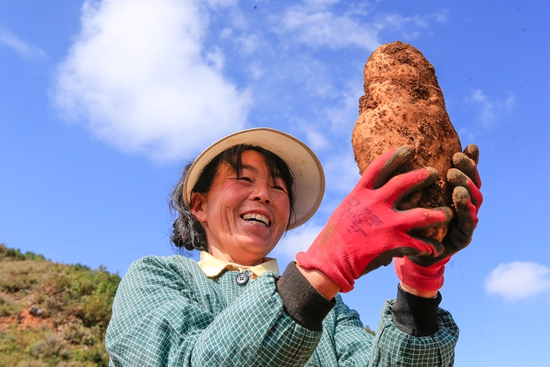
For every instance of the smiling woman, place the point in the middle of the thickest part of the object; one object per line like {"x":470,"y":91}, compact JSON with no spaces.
{"x":303,"y":174}
{"x":245,"y":207}
{"x":244,"y":214}
{"x":232,"y":308}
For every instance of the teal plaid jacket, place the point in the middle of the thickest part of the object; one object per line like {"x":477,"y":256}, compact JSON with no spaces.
{"x":168,"y":313}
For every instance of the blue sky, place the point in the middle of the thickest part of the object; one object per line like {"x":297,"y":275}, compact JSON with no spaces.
{"x":103,"y":102}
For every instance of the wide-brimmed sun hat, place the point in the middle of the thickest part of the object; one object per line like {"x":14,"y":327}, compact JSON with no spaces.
{"x":309,"y":178}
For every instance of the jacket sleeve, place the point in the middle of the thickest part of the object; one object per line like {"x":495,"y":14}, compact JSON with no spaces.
{"x":392,"y":346}
{"x":157,"y":321}
{"x":413,"y":331}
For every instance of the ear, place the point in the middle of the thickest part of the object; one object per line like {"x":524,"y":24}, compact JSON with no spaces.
{"x":198,"y":206}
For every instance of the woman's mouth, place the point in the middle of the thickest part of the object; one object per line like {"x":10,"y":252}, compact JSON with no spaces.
{"x":256,"y":218}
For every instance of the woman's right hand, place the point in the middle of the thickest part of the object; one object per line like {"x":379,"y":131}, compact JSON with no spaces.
{"x":366,"y":230}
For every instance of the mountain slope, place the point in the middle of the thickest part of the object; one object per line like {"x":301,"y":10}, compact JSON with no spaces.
{"x":52,"y":314}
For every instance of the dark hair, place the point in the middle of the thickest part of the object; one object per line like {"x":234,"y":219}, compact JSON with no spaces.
{"x":187,"y":232}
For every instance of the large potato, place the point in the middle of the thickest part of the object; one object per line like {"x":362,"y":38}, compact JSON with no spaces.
{"x":403,"y":105}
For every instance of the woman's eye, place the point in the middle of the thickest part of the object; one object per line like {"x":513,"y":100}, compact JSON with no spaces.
{"x":247,"y":179}
{"x":279,"y":188}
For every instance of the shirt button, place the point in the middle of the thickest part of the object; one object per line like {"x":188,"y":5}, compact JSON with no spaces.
{"x":242,"y":278}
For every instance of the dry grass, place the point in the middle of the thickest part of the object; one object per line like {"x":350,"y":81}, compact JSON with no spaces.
{"x":52,"y":314}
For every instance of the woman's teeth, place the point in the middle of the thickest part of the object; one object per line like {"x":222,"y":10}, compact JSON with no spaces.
{"x":258,"y":218}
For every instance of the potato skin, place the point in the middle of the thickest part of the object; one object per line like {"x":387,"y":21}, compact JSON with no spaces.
{"x":404,"y":105}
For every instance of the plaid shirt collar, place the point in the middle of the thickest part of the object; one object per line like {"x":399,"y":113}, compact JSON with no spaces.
{"x":213,"y":267}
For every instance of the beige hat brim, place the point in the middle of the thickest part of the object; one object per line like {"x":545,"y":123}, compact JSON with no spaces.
{"x":309,"y":178}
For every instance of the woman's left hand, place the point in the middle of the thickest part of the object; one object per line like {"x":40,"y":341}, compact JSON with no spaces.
{"x":425,"y":273}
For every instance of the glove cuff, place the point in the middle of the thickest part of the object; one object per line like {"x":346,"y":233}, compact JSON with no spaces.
{"x":415,"y":315}
{"x":424,"y":278}
{"x":301,"y":301}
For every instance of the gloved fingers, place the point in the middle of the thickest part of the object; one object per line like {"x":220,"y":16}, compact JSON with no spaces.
{"x":381,"y":169}
{"x":410,"y":261}
{"x":401,"y":185}
{"x":468,"y":165}
{"x":408,"y":247}
{"x":457,"y":178}
{"x":419,"y":218}
{"x":461,"y":230}
{"x":427,"y":261}
{"x":472,"y":151}
{"x":449,"y":249}
{"x":412,"y":246}
{"x":466,"y":212}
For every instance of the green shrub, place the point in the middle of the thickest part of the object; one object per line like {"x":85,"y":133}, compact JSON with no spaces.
{"x":77,"y":334}
{"x":8,"y":307}
{"x":51,"y":347}
{"x":32,"y":256}
{"x":74,"y":300}
{"x":96,"y":355}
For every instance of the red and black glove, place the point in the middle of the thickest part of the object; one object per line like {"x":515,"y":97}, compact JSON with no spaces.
{"x":426,"y":272}
{"x":366,"y":230}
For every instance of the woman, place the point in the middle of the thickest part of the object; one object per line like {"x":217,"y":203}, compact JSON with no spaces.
{"x":235,"y":201}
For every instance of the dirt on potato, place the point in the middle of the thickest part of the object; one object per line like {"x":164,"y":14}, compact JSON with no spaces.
{"x":404,"y":105}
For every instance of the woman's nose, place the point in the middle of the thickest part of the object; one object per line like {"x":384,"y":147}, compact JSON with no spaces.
{"x":261,"y":193}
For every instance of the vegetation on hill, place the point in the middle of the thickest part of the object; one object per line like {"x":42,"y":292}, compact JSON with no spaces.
{"x":51,"y":314}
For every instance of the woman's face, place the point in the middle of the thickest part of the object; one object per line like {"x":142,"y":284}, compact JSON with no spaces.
{"x":243,"y":217}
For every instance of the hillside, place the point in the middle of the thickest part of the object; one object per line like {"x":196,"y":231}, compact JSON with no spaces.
{"x":51,"y":314}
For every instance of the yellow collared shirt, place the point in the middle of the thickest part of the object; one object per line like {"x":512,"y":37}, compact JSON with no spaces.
{"x":213,"y":267}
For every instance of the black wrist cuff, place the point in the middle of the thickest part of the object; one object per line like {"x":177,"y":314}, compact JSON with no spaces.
{"x":415,"y":315}
{"x":301,"y":301}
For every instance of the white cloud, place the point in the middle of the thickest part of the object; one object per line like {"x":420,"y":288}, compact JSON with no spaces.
{"x":249,"y":44}
{"x":342,"y":172}
{"x":518,"y":280}
{"x":139,"y":77}
{"x":315,"y":139}
{"x":256,"y":70}
{"x":220,"y":3}
{"x":410,"y":27}
{"x":216,"y":58}
{"x":297,"y":240}
{"x":321,"y":2}
{"x":489,"y":110}
{"x":345,"y":113}
{"x":326,"y":29}
{"x":147,"y":76}
{"x":21,"y":47}
{"x":226,"y":33}
{"x":315,"y":25}
{"x":396,"y":21}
